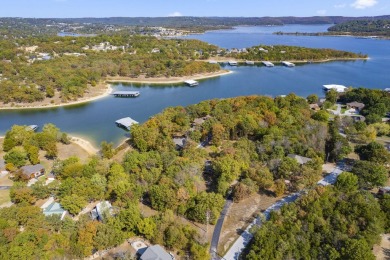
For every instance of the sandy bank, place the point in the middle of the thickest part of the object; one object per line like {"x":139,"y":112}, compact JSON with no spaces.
{"x":86,"y":145}
{"x":164,"y":80}
{"x":106,"y":92}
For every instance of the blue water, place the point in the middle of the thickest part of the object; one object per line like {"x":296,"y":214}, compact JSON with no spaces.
{"x":95,"y":120}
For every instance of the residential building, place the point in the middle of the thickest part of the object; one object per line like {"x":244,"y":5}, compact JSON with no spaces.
{"x":33,"y":171}
{"x":156,"y":252}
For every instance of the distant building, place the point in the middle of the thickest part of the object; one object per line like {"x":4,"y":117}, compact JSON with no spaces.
{"x":155,"y":252}
{"x":33,"y":171}
{"x":300,"y":159}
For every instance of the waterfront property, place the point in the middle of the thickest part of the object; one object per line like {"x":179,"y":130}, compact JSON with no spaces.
{"x":155,"y":252}
{"x":338,"y":88}
{"x":33,"y":171}
{"x":288,"y":64}
{"x":126,"y":122}
{"x":191,"y":83}
{"x":268,"y":64}
{"x":233,"y":63}
{"x":357,"y":106}
{"x":126,"y":93}
{"x":249,"y":62}
{"x":53,"y":208}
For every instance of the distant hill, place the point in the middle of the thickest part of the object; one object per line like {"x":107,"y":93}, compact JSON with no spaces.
{"x":187,"y":21}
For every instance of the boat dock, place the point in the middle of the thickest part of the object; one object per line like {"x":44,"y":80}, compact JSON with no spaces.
{"x":126,"y":122}
{"x":288,"y":64}
{"x":233,"y":63}
{"x":191,"y":83}
{"x":126,"y":93}
{"x":338,"y":88}
{"x":32,"y":127}
{"x":249,"y":62}
{"x":268,"y":64}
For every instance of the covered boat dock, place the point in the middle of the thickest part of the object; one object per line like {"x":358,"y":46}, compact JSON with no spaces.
{"x":126,"y":122}
{"x":126,"y":93}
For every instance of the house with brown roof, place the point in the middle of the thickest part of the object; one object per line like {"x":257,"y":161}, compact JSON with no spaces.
{"x":357,"y":106}
{"x":300,"y":159}
{"x":33,"y":171}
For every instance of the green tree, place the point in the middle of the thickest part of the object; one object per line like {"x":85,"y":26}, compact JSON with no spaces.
{"x":355,"y":249}
{"x":373,"y":152}
{"x":107,"y":150}
{"x":347,"y":182}
{"x":331,"y":96}
{"x":17,"y":156}
{"x":322,"y":116}
{"x":370,"y":174}
{"x":147,"y":227}
{"x":312,"y":99}
{"x":73,"y":203}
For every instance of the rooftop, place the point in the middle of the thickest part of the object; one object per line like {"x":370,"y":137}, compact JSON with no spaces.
{"x":155,"y":252}
{"x":300,"y":159}
{"x":30,"y":169}
{"x":126,"y":122}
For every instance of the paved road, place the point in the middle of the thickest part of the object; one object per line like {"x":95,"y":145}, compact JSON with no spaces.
{"x":243,"y":240}
{"x":218,"y":229}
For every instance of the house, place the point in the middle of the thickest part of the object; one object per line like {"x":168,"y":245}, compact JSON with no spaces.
{"x":179,"y":142}
{"x":300,"y":159}
{"x":101,"y":210}
{"x":356,"y":106}
{"x":155,"y":252}
{"x":33,"y":171}
{"x":314,"y":107}
{"x":53,"y":208}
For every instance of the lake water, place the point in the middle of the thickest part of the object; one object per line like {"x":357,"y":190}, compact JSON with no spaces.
{"x":95,"y":120}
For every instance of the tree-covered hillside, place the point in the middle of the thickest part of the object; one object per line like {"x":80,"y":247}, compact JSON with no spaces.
{"x":373,"y":27}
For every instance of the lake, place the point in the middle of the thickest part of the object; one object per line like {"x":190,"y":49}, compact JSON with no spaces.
{"x":95,"y":120}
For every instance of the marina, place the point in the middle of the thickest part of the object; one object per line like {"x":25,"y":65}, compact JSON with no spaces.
{"x":191,"y":83}
{"x":126,"y":93}
{"x":288,"y":64}
{"x":268,"y":64}
{"x":126,"y":122}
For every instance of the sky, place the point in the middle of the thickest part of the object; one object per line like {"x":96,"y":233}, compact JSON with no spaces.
{"x":163,"y":8}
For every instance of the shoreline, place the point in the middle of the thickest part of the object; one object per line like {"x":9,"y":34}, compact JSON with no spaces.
{"x":172,"y":80}
{"x":227,"y":59}
{"x":77,"y":102}
{"x":84,"y":144}
{"x":109,"y":81}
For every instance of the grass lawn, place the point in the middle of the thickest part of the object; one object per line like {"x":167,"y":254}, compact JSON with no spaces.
{"x":4,"y":196}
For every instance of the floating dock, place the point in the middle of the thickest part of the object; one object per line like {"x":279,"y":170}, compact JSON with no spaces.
{"x":268,"y":64}
{"x":249,"y":62}
{"x":213,"y":62}
{"x":233,"y":63}
{"x":126,"y":122}
{"x":191,"y":83}
{"x":288,"y":64}
{"x":126,"y":93}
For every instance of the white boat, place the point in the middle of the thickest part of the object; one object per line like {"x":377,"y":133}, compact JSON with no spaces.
{"x":288,"y":64}
{"x":233,"y":63}
{"x":191,"y":83}
{"x":249,"y":62}
{"x":268,"y":64}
